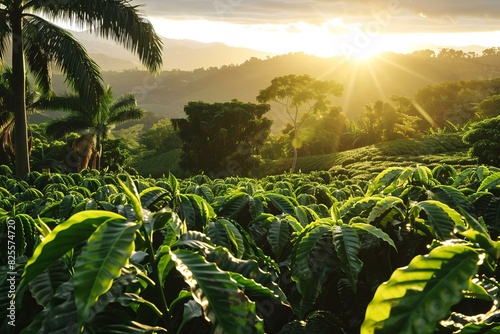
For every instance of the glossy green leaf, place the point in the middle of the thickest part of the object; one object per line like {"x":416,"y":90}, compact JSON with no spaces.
{"x":418,"y":296}
{"x":384,"y":179}
{"x":230,"y":206}
{"x":367,"y":228}
{"x":452,"y":197}
{"x":385,"y":210}
{"x":440,"y":217}
{"x":490,"y":182}
{"x":358,"y":207}
{"x":195,"y":211}
{"x":305,"y":215}
{"x":278,"y":236}
{"x":129,"y":188}
{"x":282,"y":203}
{"x":300,"y":259}
{"x":106,"y":253}
{"x":44,"y":286}
{"x":347,"y":245}
{"x":64,"y":237}
{"x":152,"y":195}
{"x":223,"y":232}
{"x":224,"y":304}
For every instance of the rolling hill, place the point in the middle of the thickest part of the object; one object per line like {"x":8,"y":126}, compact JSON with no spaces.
{"x":227,"y":73}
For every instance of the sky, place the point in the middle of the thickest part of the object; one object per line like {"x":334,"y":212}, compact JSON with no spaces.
{"x":355,"y":28}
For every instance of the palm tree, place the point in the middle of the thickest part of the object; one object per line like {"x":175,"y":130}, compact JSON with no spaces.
{"x":7,"y":112}
{"x":34,"y":39}
{"x":95,"y":125}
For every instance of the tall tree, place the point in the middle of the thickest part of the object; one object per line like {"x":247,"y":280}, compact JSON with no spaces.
{"x":96,"y":125}
{"x":222,"y":139}
{"x":40,"y":43}
{"x":7,"y":112}
{"x":300,"y":96}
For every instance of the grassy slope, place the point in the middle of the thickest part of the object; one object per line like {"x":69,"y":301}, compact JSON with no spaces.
{"x":365,"y":162}
{"x":158,"y":165}
{"x":362,"y":163}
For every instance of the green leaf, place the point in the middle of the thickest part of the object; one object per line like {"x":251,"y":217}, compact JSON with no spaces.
{"x":223,"y":232}
{"x":422,"y":174}
{"x":63,"y":238}
{"x":492,"y":213}
{"x":417,"y":297}
{"x":278,"y":236}
{"x":300,"y":260}
{"x":385,"y":210}
{"x":282,"y":203}
{"x":452,"y":197}
{"x":59,"y":316}
{"x":44,"y":286}
{"x":66,"y":207}
{"x":305,"y":215}
{"x":129,"y":188}
{"x":196,"y":211}
{"x":347,"y":245}
{"x":480,"y":328}
{"x":191,"y":311}
{"x":250,"y":285}
{"x":150,"y":196}
{"x":248,"y":268}
{"x":223,"y":303}
{"x":384,"y":179}
{"x":490,"y":182}
{"x":358,"y":207}
{"x":165,"y":263}
{"x":129,"y":298}
{"x":440,"y":217}
{"x":367,"y":228}
{"x":101,"y":261}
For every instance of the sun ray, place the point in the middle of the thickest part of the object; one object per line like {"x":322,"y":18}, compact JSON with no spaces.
{"x":375,"y":79}
{"x":405,"y":69}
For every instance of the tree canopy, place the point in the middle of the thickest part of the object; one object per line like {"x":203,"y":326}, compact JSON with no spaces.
{"x":300,"y":96}
{"x":484,"y":139}
{"x":222,"y":139}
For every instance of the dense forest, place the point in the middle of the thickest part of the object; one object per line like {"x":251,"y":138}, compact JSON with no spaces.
{"x":152,"y":145}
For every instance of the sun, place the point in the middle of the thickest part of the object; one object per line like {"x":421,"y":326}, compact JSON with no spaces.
{"x":364,"y":56}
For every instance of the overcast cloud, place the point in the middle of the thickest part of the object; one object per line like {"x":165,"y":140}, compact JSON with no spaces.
{"x":406,"y":15}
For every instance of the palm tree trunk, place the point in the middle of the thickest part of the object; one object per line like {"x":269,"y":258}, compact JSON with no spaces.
{"x":19,"y":87}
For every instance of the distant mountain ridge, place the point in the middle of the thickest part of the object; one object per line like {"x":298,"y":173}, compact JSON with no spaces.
{"x":364,"y":82}
{"x":177,"y":54}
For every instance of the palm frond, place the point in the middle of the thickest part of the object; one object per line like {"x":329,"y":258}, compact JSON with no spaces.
{"x":38,"y":60}
{"x":5,"y":118}
{"x":65,"y":103}
{"x":5,"y":32}
{"x":126,"y":115}
{"x":116,"y":19}
{"x":127,"y":101}
{"x":71,"y":123}
{"x":82,"y":73}
{"x":7,"y":95}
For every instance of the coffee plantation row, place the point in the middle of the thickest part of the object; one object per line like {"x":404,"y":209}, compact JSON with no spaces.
{"x":411,"y":250}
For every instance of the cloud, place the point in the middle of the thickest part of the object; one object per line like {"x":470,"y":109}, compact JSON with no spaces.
{"x":405,"y":15}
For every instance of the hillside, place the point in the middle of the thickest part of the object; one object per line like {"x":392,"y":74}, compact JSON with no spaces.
{"x":365,"y":162}
{"x":364,"y":82}
{"x":361,"y":163}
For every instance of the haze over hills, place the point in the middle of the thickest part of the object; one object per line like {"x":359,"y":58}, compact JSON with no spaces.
{"x":177,"y":54}
{"x":219,"y":73}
